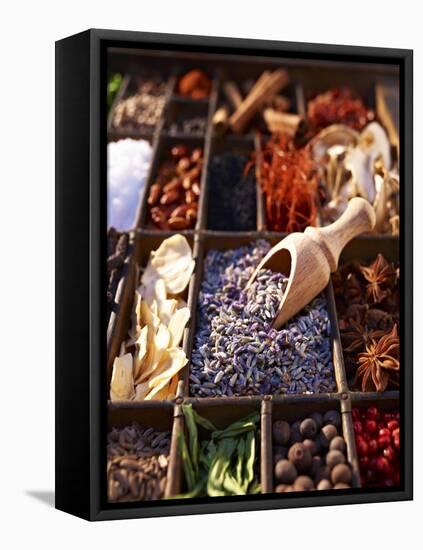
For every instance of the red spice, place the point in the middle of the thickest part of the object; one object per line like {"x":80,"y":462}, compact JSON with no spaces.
{"x":379,"y":453}
{"x":338,"y":107}
{"x":289,"y":183}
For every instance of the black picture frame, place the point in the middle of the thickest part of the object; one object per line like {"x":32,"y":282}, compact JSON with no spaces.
{"x":80,"y":270}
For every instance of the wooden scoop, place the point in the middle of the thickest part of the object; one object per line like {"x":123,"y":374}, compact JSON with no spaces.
{"x":308,"y":258}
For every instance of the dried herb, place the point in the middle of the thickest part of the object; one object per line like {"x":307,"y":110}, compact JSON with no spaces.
{"x":367,"y":299}
{"x":338,"y":106}
{"x":222,"y":465}
{"x":379,"y":364}
{"x":289,"y":182}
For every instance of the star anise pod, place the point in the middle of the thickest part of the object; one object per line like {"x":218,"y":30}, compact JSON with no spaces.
{"x":379,"y":364}
{"x":380,"y":275}
{"x":357,"y":336}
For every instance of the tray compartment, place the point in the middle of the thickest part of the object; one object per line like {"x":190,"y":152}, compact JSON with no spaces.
{"x":228,"y":240}
{"x":292,"y":408}
{"x":214,"y":218}
{"x":135,"y":131}
{"x":144,"y":243}
{"x":222,"y":413}
{"x":386,"y":402}
{"x":364,"y":249}
{"x":158,"y":416}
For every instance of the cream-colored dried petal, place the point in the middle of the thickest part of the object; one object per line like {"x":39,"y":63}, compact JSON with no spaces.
{"x":122,"y":383}
{"x":141,"y":352}
{"x":177,"y":325}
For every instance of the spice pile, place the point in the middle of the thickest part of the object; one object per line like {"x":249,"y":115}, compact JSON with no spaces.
{"x":142,"y":110}
{"x":150,"y":359}
{"x":173,"y":198}
{"x":355,"y":164}
{"x":310,"y":454}
{"x":290,"y":185}
{"x":128,"y":162}
{"x":338,"y":106}
{"x":367,"y":300}
{"x":377,"y":437}
{"x":232,"y":203}
{"x":137,"y":461}
{"x":226,"y":463}
{"x":195,"y":84}
{"x":117,"y":248}
{"x":237,"y":352}
{"x":194,"y":126}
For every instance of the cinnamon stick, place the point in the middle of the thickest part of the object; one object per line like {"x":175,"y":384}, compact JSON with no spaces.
{"x":233,"y":95}
{"x":266,"y":86}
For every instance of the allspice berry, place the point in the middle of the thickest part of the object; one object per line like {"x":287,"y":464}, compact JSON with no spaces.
{"x":285,"y":471}
{"x":308,"y":428}
{"x":342,"y":486}
{"x":301,"y":457}
{"x":341,"y":473}
{"x":281,"y":432}
{"x":324,"y":485}
{"x":338,"y":444}
{"x":296,"y":436}
{"x":316,"y":464}
{"x":279,"y":452}
{"x":335,"y":457}
{"x":280,"y":488}
{"x":318,"y":419}
{"x":311,"y":445}
{"x":327,"y":433}
{"x":332,"y":417}
{"x":303,"y":483}
{"x":322,"y":473}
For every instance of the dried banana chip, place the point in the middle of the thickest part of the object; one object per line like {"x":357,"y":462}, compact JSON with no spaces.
{"x":147,"y":315}
{"x":173,"y":386}
{"x":122,"y":384}
{"x":177,"y":325}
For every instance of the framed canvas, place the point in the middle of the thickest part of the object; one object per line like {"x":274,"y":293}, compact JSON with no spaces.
{"x":199,"y":369}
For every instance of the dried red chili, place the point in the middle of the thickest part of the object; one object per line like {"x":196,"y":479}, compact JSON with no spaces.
{"x":338,"y":106}
{"x":289,"y":182}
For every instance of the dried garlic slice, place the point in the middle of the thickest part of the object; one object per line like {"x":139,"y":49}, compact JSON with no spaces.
{"x":122,"y":384}
{"x":177,"y":325}
{"x":141,"y":351}
{"x":141,"y":390}
{"x":174,"y":359}
{"x":172,"y":262}
{"x":160,"y":344}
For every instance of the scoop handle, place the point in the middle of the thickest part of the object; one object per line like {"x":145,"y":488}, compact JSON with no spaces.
{"x":358,"y":218}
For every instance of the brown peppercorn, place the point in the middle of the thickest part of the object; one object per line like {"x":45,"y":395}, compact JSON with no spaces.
{"x":311,"y":445}
{"x":318,"y":418}
{"x":281,"y":432}
{"x":332,"y":417}
{"x":324,"y":485}
{"x":316,"y":464}
{"x":285,"y":471}
{"x":308,"y":428}
{"x":337,"y":444}
{"x":301,"y":457}
{"x":335,"y":457}
{"x":341,"y":485}
{"x":341,"y":473}
{"x":323,"y":473}
{"x":296,"y":436}
{"x":279,"y":451}
{"x":303,"y":483}
{"x":326,"y":435}
{"x":280,"y":488}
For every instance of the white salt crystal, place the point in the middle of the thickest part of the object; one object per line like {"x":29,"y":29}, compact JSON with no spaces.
{"x":128,"y":161}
